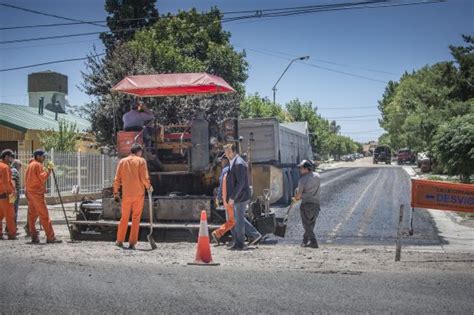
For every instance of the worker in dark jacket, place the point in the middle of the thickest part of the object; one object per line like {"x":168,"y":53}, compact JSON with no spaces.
{"x":238,"y":196}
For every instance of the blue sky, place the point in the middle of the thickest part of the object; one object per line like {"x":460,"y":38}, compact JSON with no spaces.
{"x":379,"y":44}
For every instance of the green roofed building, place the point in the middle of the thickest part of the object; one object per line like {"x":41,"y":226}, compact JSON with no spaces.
{"x":21,"y":126}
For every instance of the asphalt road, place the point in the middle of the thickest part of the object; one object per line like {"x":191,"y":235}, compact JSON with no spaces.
{"x":360,"y":205}
{"x":350,"y":273}
{"x":50,"y":287}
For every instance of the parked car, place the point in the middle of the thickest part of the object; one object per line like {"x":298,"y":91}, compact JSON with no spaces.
{"x":382,"y":153}
{"x":405,"y":156}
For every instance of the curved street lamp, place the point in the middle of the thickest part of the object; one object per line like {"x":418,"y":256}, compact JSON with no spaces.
{"x":281,"y":76}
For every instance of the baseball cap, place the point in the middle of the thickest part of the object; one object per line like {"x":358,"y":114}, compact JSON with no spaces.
{"x":305,"y":164}
{"x":39,"y":152}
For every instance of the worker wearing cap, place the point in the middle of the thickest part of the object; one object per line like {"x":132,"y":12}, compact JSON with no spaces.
{"x":136,"y":120}
{"x":132,"y":177}
{"x":7,"y":194}
{"x":309,"y":194}
{"x":35,"y":178}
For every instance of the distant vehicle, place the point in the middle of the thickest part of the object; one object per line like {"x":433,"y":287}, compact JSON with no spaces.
{"x":382,"y":153}
{"x":405,"y":156}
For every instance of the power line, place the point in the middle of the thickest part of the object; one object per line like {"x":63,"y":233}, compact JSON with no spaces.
{"x":45,"y":25}
{"x":362,"y":132}
{"x":49,"y":14}
{"x":343,"y":108}
{"x":320,"y":67}
{"x":72,"y":23}
{"x":257,"y":15}
{"x":342,"y":117}
{"x":319,"y":60}
{"x":49,"y":63}
{"x":53,"y":44}
{"x":349,"y":6}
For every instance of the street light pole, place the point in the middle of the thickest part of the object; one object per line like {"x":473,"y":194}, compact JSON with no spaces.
{"x":281,"y":76}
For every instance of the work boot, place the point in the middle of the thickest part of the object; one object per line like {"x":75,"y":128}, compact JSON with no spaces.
{"x":27,"y":230}
{"x":119,"y":244}
{"x":12,"y":238}
{"x":131,"y":247}
{"x":304,"y":243}
{"x":35,"y":241}
{"x":313,"y":244}
{"x":54,"y":241}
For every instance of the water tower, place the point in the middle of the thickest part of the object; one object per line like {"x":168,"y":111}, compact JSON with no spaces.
{"x":51,"y":86}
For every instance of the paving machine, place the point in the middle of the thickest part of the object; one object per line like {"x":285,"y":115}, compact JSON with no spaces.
{"x":182,"y":161}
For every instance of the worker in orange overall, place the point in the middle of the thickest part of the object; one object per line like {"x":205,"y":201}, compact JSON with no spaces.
{"x":7,"y":194}
{"x":222,"y":195}
{"x":132,"y":177}
{"x":35,"y":178}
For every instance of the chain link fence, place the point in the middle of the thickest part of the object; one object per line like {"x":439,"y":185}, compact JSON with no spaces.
{"x":90,"y":171}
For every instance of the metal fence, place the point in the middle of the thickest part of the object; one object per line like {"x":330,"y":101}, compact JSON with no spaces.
{"x":90,"y":171}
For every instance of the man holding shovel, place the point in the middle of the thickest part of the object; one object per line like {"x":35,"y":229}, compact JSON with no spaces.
{"x":309,"y":193}
{"x":35,"y":178}
{"x":132,"y":177}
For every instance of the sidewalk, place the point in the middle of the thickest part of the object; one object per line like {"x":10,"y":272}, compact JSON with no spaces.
{"x":459,"y":238}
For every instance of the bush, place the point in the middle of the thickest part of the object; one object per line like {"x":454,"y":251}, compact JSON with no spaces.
{"x":454,"y":146}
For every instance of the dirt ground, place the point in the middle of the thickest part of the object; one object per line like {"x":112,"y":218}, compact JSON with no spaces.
{"x":327,"y":259}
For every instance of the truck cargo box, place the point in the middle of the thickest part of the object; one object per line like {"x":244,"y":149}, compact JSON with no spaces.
{"x":275,"y":143}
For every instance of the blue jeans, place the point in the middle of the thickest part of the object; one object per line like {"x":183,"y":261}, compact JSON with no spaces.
{"x":242,"y":226}
{"x":238,"y":231}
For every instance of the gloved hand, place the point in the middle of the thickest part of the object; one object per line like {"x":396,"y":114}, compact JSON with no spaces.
{"x":116,"y":197}
{"x":50,"y":165}
{"x":150,"y":189}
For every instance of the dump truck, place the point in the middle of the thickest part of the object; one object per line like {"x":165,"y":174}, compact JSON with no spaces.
{"x":183,"y":164}
{"x":274,"y":150}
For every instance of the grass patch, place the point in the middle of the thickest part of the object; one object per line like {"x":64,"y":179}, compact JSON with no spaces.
{"x":443,"y":179}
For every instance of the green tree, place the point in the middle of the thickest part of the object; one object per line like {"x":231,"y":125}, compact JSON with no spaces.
{"x":254,"y":106}
{"x":464,"y":57}
{"x":334,"y":127}
{"x":454,"y":146}
{"x":187,"y":42}
{"x":125,"y":17}
{"x":64,"y":139}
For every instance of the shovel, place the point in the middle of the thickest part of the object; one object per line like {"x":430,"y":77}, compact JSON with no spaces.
{"x":62,"y":204}
{"x":151,"y":240}
{"x":280,"y":228}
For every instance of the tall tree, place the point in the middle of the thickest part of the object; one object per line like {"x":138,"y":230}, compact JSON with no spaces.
{"x":125,"y":17}
{"x":334,"y":127}
{"x":187,"y":42}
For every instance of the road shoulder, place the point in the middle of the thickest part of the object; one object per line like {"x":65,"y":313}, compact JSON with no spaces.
{"x":457,"y":237}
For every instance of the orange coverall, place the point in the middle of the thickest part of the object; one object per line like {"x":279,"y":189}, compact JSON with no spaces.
{"x":35,"y":178}
{"x":229,"y":224}
{"x":132,"y":176}
{"x":7,"y":210}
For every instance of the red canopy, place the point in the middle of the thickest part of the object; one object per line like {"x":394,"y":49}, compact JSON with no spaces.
{"x":173,"y":84}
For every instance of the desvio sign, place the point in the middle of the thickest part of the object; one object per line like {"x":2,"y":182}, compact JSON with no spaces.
{"x":442,"y":196}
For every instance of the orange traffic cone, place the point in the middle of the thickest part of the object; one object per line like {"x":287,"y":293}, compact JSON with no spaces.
{"x":203,"y":250}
